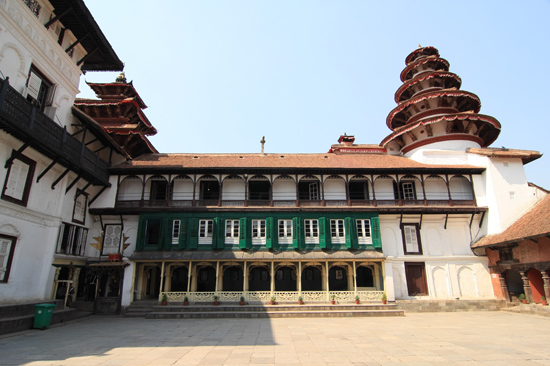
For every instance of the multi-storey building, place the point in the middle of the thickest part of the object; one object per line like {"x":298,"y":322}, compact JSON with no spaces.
{"x":54,"y":158}
{"x":360,"y":220}
{"x":88,"y":202}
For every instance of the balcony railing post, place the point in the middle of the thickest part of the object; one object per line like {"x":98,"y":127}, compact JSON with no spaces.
{"x":32,"y":117}
{"x":64,"y":138}
{"x":4,"y":90}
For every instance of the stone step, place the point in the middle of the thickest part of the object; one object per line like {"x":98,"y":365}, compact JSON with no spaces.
{"x":25,"y":322}
{"x":270,"y":308}
{"x":275,"y":314}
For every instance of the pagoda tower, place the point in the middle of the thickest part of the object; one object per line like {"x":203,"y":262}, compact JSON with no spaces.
{"x":432,"y":111}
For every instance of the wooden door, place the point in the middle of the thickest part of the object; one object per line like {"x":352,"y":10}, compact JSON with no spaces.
{"x":416,"y":279}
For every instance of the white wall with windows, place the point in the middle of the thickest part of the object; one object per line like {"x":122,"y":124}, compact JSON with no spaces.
{"x":440,"y":247}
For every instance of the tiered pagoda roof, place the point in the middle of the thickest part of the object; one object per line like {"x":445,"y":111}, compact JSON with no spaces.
{"x":432,"y":108}
{"x":119,"y":110}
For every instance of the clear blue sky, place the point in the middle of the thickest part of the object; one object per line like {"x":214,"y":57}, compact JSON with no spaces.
{"x":218,"y":75}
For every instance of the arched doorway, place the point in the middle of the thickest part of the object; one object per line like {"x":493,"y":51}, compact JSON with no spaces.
{"x":285,"y":279}
{"x":514,"y":282}
{"x":338,"y":279}
{"x":259,"y":279}
{"x":179,"y":279}
{"x":206,"y":279}
{"x":364,"y":277}
{"x":312,"y":280}
{"x":233,"y":279}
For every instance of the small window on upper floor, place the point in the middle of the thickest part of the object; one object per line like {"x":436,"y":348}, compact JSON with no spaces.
{"x":18,"y":180}
{"x":79,"y":209}
{"x":406,"y":191}
{"x":72,"y":240}
{"x":411,"y":239}
{"x":39,"y":89}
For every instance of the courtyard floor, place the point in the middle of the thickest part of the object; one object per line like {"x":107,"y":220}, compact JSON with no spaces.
{"x":468,"y":338}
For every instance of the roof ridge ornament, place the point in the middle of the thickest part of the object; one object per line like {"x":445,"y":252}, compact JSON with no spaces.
{"x":121,"y":78}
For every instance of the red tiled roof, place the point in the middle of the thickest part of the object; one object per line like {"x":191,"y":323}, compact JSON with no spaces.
{"x":526,"y":156}
{"x":270,"y":161}
{"x":533,"y":224}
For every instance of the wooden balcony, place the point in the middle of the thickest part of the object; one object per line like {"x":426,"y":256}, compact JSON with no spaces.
{"x":190,"y":204}
{"x":21,"y":119}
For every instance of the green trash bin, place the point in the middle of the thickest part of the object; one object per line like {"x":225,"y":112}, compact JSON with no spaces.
{"x":43,"y":315}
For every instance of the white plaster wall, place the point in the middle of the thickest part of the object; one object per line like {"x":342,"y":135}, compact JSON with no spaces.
{"x":183,"y":189}
{"x":335,"y":189}
{"x":284,"y":189}
{"x":233,"y":189}
{"x":449,"y":262}
{"x":36,"y":234}
{"x":383,"y":189}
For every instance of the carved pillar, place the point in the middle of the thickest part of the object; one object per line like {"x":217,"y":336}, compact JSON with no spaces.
{"x":546,"y":281}
{"x":526,"y":287}
{"x":503,"y":286}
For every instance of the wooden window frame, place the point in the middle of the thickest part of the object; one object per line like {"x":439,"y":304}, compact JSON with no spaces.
{"x":287,"y":229}
{"x":418,"y":241}
{"x":176,"y":230}
{"x":206,"y":231}
{"x":79,"y":194}
{"x":28,"y":181}
{"x":361,"y":225}
{"x":337,"y":231}
{"x":311,"y":231}
{"x":232,"y":231}
{"x":259,"y":231}
{"x":8,"y":258}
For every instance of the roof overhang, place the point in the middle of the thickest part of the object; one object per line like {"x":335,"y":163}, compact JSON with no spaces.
{"x":77,"y":18}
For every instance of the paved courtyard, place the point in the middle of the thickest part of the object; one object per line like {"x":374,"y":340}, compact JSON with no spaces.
{"x":477,"y":338}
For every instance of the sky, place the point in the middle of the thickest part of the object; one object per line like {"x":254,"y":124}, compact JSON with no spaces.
{"x":217,"y":75}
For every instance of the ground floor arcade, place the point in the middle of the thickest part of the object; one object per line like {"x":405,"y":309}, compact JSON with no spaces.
{"x":316,"y":277}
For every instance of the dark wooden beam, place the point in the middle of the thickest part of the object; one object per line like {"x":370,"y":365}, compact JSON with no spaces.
{"x":45,"y":171}
{"x":16,"y":154}
{"x":60,"y":177}
{"x":53,"y":20}
{"x":97,"y":195}
{"x":77,"y":42}
{"x":72,"y":184}
{"x":86,"y":57}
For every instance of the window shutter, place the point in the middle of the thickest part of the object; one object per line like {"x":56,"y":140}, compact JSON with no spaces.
{"x":219,"y":233}
{"x":33,"y":86}
{"x":351,"y":233}
{"x":193,"y":234}
{"x":375,"y":233}
{"x":245,"y":241}
{"x":270,"y":234}
{"x":183,"y":234}
{"x":165,"y":241}
{"x":324,"y":238}
{"x":15,"y":186}
{"x":297,"y":239}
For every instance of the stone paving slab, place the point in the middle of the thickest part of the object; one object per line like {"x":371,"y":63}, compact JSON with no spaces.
{"x":469,"y":338}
